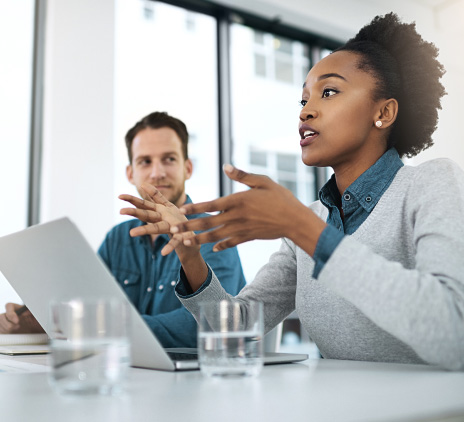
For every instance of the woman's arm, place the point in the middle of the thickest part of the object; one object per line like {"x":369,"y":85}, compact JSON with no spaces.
{"x":265,"y":211}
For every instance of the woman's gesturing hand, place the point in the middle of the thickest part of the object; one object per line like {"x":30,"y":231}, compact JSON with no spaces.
{"x":266,"y":211}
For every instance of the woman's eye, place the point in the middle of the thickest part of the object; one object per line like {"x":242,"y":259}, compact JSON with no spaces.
{"x":328,"y":92}
{"x":302,"y":103}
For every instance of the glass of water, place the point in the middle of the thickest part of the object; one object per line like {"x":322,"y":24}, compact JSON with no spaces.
{"x":230,"y":338}
{"x":90,"y":346}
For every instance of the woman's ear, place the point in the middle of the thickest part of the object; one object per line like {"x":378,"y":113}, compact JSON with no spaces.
{"x":387,"y":113}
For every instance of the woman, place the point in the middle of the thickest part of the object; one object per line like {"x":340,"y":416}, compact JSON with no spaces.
{"x":375,"y":269}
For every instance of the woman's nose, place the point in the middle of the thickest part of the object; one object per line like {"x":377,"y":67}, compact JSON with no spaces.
{"x":307,"y":112}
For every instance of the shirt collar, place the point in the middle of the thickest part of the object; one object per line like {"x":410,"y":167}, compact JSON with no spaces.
{"x":368,"y":188}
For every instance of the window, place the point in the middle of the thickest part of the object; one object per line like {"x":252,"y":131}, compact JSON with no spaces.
{"x":166,"y":61}
{"x":266,"y":79}
{"x":16,"y":26}
{"x":165,"y":58}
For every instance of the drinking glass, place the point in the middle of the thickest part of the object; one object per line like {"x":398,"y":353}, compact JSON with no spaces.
{"x":230,"y":338}
{"x":90,"y":347}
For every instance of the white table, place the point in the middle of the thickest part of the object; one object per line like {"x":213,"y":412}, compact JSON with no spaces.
{"x":316,"y":390}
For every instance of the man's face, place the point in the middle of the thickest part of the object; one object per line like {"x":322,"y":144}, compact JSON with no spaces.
{"x":157,"y":159}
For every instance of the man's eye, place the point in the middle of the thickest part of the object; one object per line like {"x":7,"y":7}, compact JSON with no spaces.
{"x":170,"y":159}
{"x":328,"y":92}
{"x":302,"y":103}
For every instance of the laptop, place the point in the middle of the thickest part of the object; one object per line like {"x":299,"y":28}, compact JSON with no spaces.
{"x":54,"y":261}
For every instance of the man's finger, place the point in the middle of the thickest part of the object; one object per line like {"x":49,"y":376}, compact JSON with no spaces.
{"x":6,"y":326}
{"x":147,"y":216}
{"x":154,"y":194}
{"x":10,"y":313}
{"x":161,"y":227}
{"x":143,"y":204}
{"x":173,"y":243}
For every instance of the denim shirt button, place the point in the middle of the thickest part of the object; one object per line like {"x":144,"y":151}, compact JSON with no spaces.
{"x":126,"y":281}
{"x":173,"y":283}
{"x":347,"y":196}
{"x":368,"y":199}
{"x":160,"y":287}
{"x":149,"y":289}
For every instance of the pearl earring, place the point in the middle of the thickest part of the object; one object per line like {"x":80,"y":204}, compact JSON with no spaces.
{"x":378,"y":123}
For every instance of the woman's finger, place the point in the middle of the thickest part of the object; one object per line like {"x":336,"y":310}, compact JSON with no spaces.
{"x":229,"y":243}
{"x":201,"y":224}
{"x":219,"y":204}
{"x":218,"y":234}
{"x":249,"y":179}
{"x":225,"y":203}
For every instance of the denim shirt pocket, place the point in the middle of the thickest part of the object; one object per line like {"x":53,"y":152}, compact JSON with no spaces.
{"x":129,"y":281}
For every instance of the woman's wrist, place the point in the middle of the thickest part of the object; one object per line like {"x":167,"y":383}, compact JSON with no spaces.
{"x":306,"y":228}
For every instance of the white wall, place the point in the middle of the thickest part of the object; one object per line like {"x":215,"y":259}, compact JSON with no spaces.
{"x":78,"y":127}
{"x":449,"y":137}
{"x":78,"y":114}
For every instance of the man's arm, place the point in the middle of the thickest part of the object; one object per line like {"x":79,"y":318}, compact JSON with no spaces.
{"x":18,"y":320}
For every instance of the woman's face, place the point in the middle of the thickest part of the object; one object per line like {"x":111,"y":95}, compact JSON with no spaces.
{"x":338,"y":115}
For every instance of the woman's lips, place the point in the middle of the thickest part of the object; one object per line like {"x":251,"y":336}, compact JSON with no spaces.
{"x":307,"y":135}
{"x":308,"y":140}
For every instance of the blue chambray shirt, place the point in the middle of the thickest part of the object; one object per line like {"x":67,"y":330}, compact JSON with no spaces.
{"x":357,"y":202}
{"x":149,"y":279}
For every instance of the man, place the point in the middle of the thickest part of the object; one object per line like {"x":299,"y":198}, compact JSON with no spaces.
{"x":158,"y":154}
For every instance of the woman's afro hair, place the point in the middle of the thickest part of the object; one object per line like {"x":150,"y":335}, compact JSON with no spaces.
{"x":407,"y":69}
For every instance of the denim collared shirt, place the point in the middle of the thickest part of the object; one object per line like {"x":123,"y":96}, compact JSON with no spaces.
{"x":149,"y":279}
{"x":357,"y":202}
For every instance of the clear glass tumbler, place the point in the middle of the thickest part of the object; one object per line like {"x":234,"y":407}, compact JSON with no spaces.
{"x":90,"y":346}
{"x":230,"y":338}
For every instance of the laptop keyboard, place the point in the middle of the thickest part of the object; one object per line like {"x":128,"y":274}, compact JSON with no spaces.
{"x":179,"y":356}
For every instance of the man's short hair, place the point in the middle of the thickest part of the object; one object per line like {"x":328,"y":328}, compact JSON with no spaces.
{"x":158,"y":120}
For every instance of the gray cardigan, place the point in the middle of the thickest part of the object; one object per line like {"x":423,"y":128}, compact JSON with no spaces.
{"x":392,"y":292}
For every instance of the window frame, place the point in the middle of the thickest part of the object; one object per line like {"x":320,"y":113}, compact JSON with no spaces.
{"x":225,"y":16}
{"x":36,"y":123}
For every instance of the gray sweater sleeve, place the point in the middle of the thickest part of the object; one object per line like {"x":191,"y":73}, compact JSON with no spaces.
{"x":274,"y":285}
{"x":421,"y":304}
